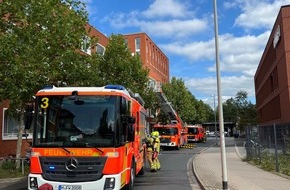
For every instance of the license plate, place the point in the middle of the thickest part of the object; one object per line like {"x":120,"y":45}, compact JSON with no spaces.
{"x":69,"y":187}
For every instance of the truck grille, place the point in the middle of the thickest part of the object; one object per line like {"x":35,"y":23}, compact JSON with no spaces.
{"x":191,"y":137}
{"x":72,"y":169}
{"x":165,"y":140}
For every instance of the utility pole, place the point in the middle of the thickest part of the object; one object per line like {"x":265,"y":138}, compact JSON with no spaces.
{"x":220,"y":108}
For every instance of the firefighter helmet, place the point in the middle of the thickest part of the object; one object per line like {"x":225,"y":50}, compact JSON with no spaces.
{"x":155,"y":134}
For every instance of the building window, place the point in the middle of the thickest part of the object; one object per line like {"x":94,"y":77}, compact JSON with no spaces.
{"x":100,"y":49}
{"x":126,"y":42}
{"x":85,"y":46}
{"x":10,"y":127}
{"x":153,"y":84}
{"x":137,"y":45}
{"x":147,"y":47}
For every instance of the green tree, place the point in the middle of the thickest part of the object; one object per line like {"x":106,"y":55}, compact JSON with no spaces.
{"x":230,"y":110}
{"x":181,"y":99}
{"x":38,"y":41}
{"x":204,"y":112}
{"x":118,"y":66}
{"x":245,"y":110}
{"x":240,"y":110}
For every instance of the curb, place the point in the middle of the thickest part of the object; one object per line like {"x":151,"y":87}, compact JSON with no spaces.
{"x":5,"y":182}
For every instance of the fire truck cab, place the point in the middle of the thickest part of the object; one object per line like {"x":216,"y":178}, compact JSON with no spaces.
{"x":196,"y":133}
{"x":171,"y":135}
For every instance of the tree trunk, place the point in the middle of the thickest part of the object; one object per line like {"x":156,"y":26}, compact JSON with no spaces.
{"x":19,"y":143}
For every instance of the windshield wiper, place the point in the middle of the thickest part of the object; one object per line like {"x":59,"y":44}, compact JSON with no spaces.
{"x":90,"y":146}
{"x":82,"y":144}
{"x":56,"y":145}
{"x":66,"y":150}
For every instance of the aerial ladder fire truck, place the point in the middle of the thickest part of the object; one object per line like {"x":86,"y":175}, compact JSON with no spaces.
{"x":172,"y":134}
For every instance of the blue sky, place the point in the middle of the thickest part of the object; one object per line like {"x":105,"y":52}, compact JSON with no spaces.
{"x":184,"y":31}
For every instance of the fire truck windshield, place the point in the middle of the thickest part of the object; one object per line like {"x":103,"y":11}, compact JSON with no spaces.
{"x":167,"y":131}
{"x":87,"y":121}
{"x":192,"y":130}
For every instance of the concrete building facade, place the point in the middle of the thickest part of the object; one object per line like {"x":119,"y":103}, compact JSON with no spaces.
{"x":272,"y":78}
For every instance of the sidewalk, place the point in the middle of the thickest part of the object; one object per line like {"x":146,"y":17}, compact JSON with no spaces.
{"x":5,"y":183}
{"x":240,"y":175}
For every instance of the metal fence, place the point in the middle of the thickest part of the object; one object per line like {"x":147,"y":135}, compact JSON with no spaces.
{"x":269,"y":146}
{"x":23,"y":161}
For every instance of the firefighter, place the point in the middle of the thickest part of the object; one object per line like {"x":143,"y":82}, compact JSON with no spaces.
{"x":149,"y":152}
{"x":156,"y":150}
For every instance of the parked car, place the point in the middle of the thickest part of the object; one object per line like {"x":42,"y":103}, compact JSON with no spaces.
{"x":211,"y":134}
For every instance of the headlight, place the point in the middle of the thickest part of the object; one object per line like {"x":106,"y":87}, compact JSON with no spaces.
{"x":110,"y":183}
{"x":33,"y":183}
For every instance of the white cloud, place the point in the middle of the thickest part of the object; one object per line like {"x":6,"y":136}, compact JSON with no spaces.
{"x":194,"y":51}
{"x":257,"y":14}
{"x":230,"y":85}
{"x":237,"y":54}
{"x":122,"y":20}
{"x":242,"y":54}
{"x":167,"y":8}
{"x":173,"y":28}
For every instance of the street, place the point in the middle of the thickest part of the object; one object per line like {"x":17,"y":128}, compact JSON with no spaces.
{"x":176,"y":171}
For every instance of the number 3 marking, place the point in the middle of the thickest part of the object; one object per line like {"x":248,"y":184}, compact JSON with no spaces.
{"x":44,"y":103}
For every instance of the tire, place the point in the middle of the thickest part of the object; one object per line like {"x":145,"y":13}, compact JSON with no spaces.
{"x":130,"y":185}
{"x":142,"y":171}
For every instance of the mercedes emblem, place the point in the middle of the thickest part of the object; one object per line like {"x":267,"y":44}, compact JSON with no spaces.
{"x":71,"y":164}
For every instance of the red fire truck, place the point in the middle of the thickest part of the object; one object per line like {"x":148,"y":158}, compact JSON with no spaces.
{"x":196,"y":133}
{"x":172,"y":134}
{"x":87,"y":138}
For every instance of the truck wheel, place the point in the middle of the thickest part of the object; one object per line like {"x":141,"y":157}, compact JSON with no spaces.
{"x":142,"y":171}
{"x":130,"y":185}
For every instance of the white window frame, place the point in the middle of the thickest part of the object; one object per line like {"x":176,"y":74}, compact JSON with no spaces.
{"x":137,"y":45}
{"x":100,"y":45}
{"x":152,"y":83}
{"x":126,"y":42}
{"x":85,"y":46}
{"x":11,"y":136}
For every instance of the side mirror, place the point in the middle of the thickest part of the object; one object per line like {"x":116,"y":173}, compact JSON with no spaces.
{"x":128,"y":119}
{"x":132,"y":120}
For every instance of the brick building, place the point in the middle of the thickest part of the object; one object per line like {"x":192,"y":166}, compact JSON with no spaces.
{"x":151,"y":56}
{"x":272,"y":78}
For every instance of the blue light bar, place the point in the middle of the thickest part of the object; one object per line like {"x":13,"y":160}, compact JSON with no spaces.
{"x":116,"y":87}
{"x":47,"y":87}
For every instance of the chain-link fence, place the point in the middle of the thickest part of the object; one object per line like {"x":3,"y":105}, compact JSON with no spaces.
{"x":269,"y":147}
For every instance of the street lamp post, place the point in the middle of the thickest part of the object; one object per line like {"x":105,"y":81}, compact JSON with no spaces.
{"x":220,"y":109}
